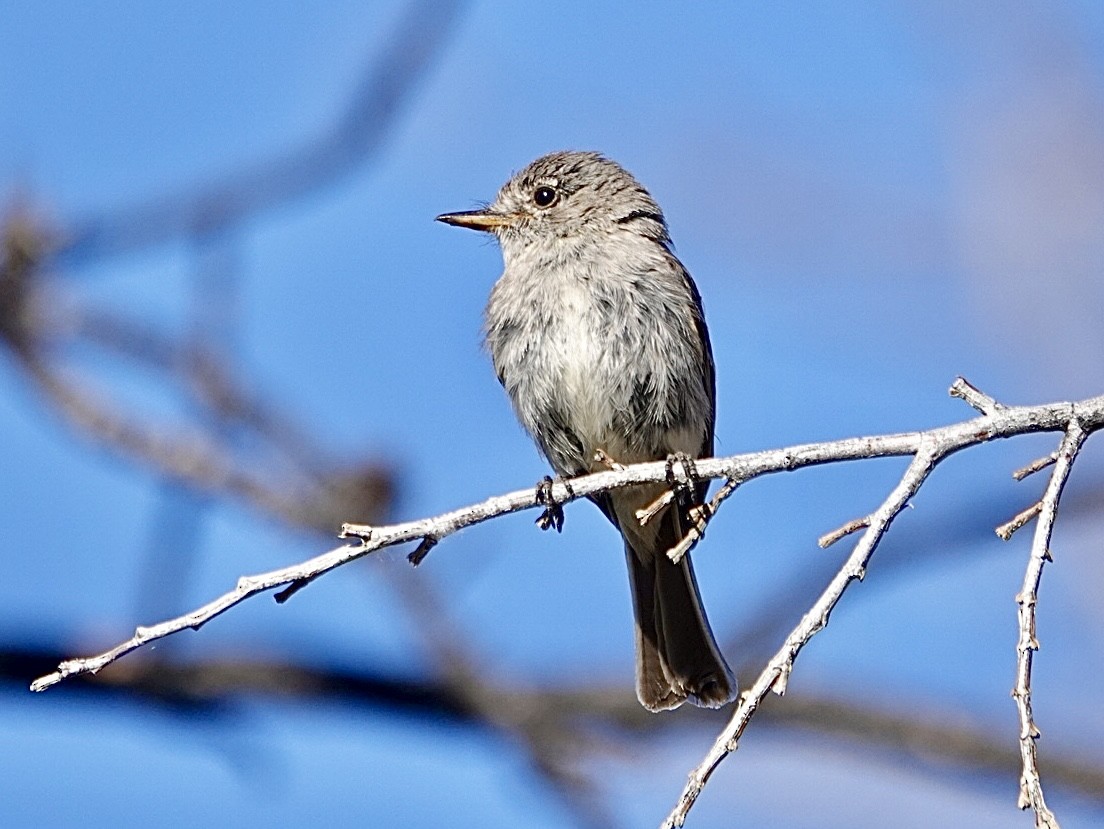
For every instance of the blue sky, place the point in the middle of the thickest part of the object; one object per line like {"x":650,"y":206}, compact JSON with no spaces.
{"x":872,"y":200}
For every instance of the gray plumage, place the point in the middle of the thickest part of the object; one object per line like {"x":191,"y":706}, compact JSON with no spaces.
{"x":597,"y":334}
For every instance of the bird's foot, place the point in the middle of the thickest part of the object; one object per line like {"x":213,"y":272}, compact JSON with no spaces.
{"x":553,"y":515}
{"x":682,"y":484}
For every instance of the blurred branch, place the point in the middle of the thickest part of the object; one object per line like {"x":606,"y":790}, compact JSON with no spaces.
{"x":35,"y":322}
{"x":193,"y":459}
{"x":357,"y":134}
{"x":552,"y":740}
{"x":193,"y":367}
{"x":572,"y":714}
{"x":773,"y":614}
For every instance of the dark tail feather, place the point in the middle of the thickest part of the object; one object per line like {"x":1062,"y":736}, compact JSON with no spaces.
{"x":677,"y":657}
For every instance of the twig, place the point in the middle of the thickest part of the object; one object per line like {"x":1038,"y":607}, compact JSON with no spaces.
{"x":964,"y":390}
{"x":932,"y":449}
{"x":1035,"y":466}
{"x":941,"y":442}
{"x":775,"y":676}
{"x":852,"y":526}
{"x":1031,"y":787}
{"x":422,"y":550}
{"x":1005,"y":530}
{"x":665,"y":499}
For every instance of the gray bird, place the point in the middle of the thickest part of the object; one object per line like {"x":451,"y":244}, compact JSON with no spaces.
{"x":597,"y":334}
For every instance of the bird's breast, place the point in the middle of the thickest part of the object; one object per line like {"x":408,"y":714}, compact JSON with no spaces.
{"x":592,"y":361}
{"x":582,"y":353}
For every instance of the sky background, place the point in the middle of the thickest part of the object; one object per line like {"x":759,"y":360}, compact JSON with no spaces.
{"x":872,"y":198}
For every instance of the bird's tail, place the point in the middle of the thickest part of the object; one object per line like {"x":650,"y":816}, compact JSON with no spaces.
{"x":677,"y":657}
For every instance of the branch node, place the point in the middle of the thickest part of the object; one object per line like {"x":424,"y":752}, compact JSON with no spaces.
{"x":853,"y":526}
{"x":422,"y":550}
{"x":361,"y":531}
{"x":1025,"y":600}
{"x":1036,"y":465}
{"x":964,"y":390}
{"x":782,"y":681}
{"x":1005,"y":531}
{"x":292,"y":589}
{"x":605,"y":460}
{"x":1024,"y":800}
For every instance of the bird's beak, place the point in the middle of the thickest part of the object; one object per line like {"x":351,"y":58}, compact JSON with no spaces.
{"x":485,"y":220}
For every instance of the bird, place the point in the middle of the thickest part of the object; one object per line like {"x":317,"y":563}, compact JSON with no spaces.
{"x":597,"y":333}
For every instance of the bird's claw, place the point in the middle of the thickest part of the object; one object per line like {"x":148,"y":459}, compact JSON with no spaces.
{"x":553,"y":515}
{"x":682,"y":484}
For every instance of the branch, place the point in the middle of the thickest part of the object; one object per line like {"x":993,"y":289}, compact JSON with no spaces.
{"x":589,"y":715}
{"x":1031,"y":786}
{"x":195,"y":458}
{"x":928,"y":448}
{"x":776,"y":675}
{"x":933,"y":447}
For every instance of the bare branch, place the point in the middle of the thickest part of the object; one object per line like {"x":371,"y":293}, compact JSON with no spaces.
{"x":964,"y":390}
{"x":927,"y":449}
{"x":852,"y":526}
{"x":1031,"y":787}
{"x":933,"y":448}
{"x":1005,"y":530}
{"x":1036,"y":465}
{"x":775,"y":676}
{"x":936,"y":443}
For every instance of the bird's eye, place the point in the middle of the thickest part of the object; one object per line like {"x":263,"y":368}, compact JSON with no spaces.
{"x":544,"y":196}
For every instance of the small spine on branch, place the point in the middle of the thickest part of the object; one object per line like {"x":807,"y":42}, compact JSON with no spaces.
{"x":1036,"y":465}
{"x":422,"y":550}
{"x":291,"y":590}
{"x":1005,"y":530}
{"x":964,"y":390}
{"x":853,"y":526}
{"x":361,"y":531}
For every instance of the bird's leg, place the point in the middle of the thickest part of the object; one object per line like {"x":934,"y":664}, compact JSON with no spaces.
{"x":682,"y":485}
{"x":698,"y":514}
{"x":553,"y":515}
{"x":680,"y":488}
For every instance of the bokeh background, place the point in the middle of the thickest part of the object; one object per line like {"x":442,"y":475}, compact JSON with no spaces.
{"x":229,"y":323}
